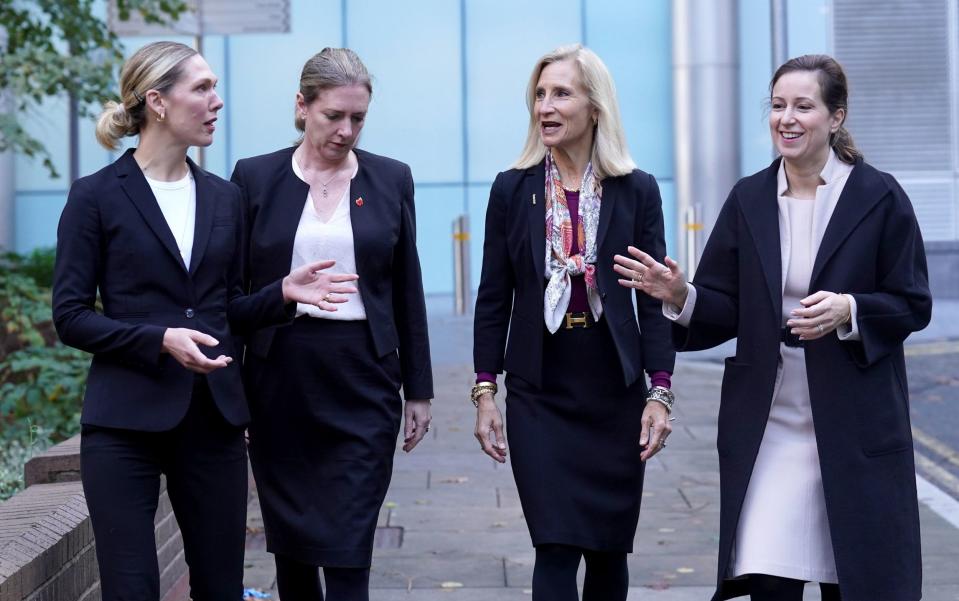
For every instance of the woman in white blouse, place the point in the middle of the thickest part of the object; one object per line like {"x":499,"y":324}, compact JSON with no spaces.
{"x":324,"y":391}
{"x":816,"y":265}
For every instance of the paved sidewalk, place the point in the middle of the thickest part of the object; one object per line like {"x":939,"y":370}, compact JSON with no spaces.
{"x":457,"y":515}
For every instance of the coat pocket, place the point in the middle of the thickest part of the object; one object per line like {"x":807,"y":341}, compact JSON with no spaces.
{"x":738,"y":384}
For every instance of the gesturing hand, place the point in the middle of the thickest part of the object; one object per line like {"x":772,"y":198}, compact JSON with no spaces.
{"x":662,"y":282}
{"x":182,"y":343}
{"x":822,"y":313}
{"x":309,"y":285}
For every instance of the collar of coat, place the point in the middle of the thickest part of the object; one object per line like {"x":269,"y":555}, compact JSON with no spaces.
{"x":757,"y":196}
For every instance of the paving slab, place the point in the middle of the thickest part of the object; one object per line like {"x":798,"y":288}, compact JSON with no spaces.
{"x":464,"y":535}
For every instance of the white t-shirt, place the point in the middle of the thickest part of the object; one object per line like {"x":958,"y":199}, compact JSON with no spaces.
{"x":177,"y":200}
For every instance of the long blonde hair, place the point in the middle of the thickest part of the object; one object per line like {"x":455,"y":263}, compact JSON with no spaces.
{"x":156,"y":66}
{"x":610,"y":155}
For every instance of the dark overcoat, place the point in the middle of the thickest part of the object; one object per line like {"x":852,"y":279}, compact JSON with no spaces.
{"x":872,"y":248}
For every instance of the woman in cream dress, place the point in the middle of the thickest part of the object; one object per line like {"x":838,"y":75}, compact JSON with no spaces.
{"x":816,"y":265}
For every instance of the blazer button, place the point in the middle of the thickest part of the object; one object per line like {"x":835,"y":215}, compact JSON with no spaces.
{"x":602,"y":295}
{"x":189,"y":313}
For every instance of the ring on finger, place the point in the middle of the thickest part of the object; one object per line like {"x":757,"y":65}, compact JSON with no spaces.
{"x":326,"y":297}
{"x":820,"y":328}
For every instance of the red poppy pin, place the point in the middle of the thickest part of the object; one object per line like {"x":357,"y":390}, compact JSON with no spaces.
{"x":359,"y":201}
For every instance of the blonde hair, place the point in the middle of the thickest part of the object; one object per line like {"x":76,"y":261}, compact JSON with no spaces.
{"x":330,"y":68}
{"x":610,"y":155}
{"x":157,"y":66}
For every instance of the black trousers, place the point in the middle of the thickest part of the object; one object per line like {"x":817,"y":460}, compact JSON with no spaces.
{"x":204,"y":461}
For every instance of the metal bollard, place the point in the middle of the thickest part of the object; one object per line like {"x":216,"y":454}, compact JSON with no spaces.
{"x":461,"y":265}
{"x":692,"y":232}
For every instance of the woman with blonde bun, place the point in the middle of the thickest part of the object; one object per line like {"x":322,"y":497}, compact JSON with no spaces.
{"x":159,"y":238}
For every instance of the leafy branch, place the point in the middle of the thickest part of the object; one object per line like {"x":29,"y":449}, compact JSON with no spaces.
{"x":56,"y":48}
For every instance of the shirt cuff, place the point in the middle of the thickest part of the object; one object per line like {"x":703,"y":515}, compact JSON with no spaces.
{"x":485,"y":376}
{"x":849,"y":331}
{"x":684,"y":315}
{"x":660,"y":378}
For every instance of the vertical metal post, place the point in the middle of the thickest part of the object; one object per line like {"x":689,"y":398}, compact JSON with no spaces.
{"x":779,"y":36}
{"x":779,"y":40}
{"x":706,"y":133}
{"x":461,"y":265}
{"x":7,"y":175}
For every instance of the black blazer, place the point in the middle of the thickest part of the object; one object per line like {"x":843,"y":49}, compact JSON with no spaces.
{"x":510,"y":297}
{"x":872,"y":248}
{"x":384,"y":237}
{"x":113,"y":238}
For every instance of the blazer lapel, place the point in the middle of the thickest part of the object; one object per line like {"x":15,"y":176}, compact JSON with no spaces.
{"x":761,"y":213}
{"x":860,"y":194}
{"x":610,"y":192}
{"x":137,"y":189}
{"x":205,"y":206}
{"x":363,"y":208}
{"x":534,"y":195}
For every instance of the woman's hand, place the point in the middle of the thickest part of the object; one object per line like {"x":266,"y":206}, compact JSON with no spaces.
{"x":308,"y":285}
{"x":489,"y":428}
{"x":656,"y":429}
{"x":182,"y":343}
{"x":417,"y":418}
{"x":662,"y":282}
{"x":822,"y":313}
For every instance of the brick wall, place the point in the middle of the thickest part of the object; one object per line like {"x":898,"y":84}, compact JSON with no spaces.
{"x":47,"y":551}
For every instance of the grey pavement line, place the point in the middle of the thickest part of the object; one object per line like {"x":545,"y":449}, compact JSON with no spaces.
{"x":938,"y":500}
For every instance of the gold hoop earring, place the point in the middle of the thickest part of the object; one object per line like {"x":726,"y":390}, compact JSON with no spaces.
{"x":161,"y":117}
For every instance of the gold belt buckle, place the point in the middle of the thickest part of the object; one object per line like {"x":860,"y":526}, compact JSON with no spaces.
{"x":573,"y":320}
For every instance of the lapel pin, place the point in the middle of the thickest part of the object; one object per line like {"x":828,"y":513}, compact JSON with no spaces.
{"x":534,"y":200}
{"x":359,"y":201}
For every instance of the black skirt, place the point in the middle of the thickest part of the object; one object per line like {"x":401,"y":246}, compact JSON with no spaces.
{"x":574,"y":444}
{"x":326,"y":413}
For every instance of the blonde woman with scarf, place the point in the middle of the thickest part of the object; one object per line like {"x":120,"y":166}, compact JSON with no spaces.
{"x":581,"y":418}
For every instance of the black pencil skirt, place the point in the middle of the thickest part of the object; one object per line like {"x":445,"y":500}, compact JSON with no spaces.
{"x":326,"y":413}
{"x":574,"y":443}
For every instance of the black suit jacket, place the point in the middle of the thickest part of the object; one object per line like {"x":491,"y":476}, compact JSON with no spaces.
{"x":872,"y":248}
{"x":510,"y":297}
{"x":384,"y":238}
{"x":113,"y":238}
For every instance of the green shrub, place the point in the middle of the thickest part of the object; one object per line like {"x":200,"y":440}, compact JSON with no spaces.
{"x":41,"y":380}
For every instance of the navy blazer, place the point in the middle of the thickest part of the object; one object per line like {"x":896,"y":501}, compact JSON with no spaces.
{"x":510,"y":302}
{"x":113,"y":238}
{"x":384,"y":239}
{"x":872,"y":248}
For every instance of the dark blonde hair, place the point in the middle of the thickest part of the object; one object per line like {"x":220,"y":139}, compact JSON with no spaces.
{"x":157,"y":66}
{"x":331,"y":68}
{"x":834,"y":91}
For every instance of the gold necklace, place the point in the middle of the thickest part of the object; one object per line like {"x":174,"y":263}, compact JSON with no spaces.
{"x":570,"y":189}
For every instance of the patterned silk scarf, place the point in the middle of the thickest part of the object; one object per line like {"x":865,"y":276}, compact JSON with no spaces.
{"x":560,"y":265}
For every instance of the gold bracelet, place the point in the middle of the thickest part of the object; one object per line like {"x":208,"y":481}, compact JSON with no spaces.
{"x":481,"y":388}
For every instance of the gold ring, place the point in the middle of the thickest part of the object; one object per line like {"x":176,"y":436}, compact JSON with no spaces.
{"x":326,"y":297}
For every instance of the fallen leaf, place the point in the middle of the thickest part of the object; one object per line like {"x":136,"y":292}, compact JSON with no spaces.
{"x":685,"y":570}
{"x":451,"y":584}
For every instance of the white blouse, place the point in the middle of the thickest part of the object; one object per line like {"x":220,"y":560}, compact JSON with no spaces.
{"x":318,"y":240}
